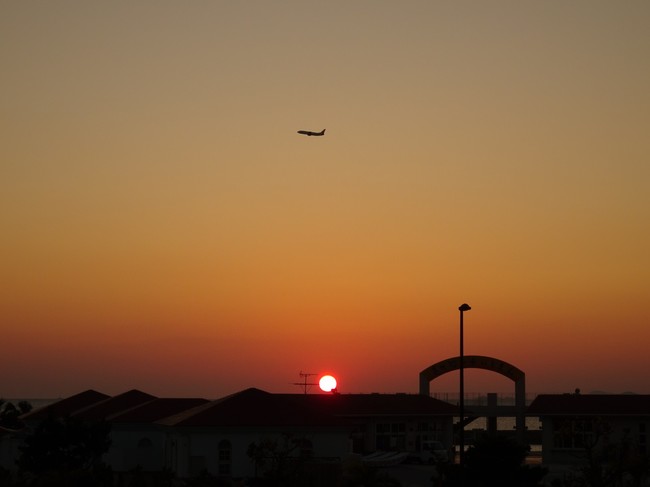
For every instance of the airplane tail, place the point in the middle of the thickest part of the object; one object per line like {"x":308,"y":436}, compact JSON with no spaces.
{"x":322,"y":132}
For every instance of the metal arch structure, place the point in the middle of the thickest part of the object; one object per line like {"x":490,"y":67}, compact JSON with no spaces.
{"x":486,"y":363}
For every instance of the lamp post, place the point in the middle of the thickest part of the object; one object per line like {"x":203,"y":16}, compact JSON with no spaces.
{"x":461,"y":426}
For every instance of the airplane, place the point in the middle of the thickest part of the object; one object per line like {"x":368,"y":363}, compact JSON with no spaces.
{"x":310,"y":133}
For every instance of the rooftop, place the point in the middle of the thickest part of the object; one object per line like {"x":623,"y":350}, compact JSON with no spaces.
{"x":590,"y":404}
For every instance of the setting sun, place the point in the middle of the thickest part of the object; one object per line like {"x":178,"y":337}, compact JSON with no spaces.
{"x":327,"y":383}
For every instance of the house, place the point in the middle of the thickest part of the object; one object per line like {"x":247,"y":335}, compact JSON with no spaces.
{"x":576,"y":425}
{"x":11,"y":440}
{"x":135,"y":438}
{"x":193,"y":435}
{"x":216,"y":437}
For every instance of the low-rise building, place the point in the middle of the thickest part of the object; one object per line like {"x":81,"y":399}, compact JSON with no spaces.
{"x":193,"y":436}
{"x":578,"y":428}
{"x":217,"y":437}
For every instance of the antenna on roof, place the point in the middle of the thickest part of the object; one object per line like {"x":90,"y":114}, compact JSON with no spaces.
{"x":305,"y":384}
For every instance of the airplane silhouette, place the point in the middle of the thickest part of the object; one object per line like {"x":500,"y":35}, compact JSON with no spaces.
{"x":310,"y":133}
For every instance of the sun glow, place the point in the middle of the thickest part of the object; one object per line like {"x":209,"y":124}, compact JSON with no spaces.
{"x":327,"y":383}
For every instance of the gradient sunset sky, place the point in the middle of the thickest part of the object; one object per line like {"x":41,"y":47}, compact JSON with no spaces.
{"x":163,"y":227}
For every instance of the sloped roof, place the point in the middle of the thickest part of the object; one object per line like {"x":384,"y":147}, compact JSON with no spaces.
{"x":250,"y":407}
{"x":254,"y":407}
{"x":152,"y":411}
{"x":67,"y":406}
{"x":590,"y":404}
{"x":113,"y":405}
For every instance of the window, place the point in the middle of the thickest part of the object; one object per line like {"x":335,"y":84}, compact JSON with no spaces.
{"x":306,"y":447}
{"x":225,"y":457}
{"x":390,"y":436}
{"x":574,"y":434}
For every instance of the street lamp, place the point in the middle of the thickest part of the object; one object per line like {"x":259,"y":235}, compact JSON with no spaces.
{"x":461,"y":426}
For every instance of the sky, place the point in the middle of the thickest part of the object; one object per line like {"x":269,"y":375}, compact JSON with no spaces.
{"x":163,"y":226}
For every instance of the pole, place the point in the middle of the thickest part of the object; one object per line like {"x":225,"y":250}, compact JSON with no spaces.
{"x":461,"y":423}
{"x":461,"y":426}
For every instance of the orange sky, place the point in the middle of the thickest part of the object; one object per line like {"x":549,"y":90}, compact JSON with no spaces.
{"x":165,"y":228}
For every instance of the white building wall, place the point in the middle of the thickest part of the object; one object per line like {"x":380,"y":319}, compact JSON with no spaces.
{"x":199,"y":450}
{"x":613,"y":431}
{"x":132,"y":447}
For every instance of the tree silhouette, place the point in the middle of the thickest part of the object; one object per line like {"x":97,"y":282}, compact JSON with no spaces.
{"x":610,"y":463}
{"x":277,"y":458}
{"x":10,"y":414}
{"x":66,"y":449}
{"x":494,"y":462}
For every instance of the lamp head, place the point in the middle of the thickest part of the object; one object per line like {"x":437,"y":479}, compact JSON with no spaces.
{"x":464,"y":307}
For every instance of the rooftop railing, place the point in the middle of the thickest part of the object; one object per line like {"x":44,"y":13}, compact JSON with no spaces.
{"x":481,"y":398}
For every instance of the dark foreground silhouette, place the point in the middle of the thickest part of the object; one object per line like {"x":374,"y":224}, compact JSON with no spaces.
{"x":68,"y":453}
{"x":493,"y":462}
